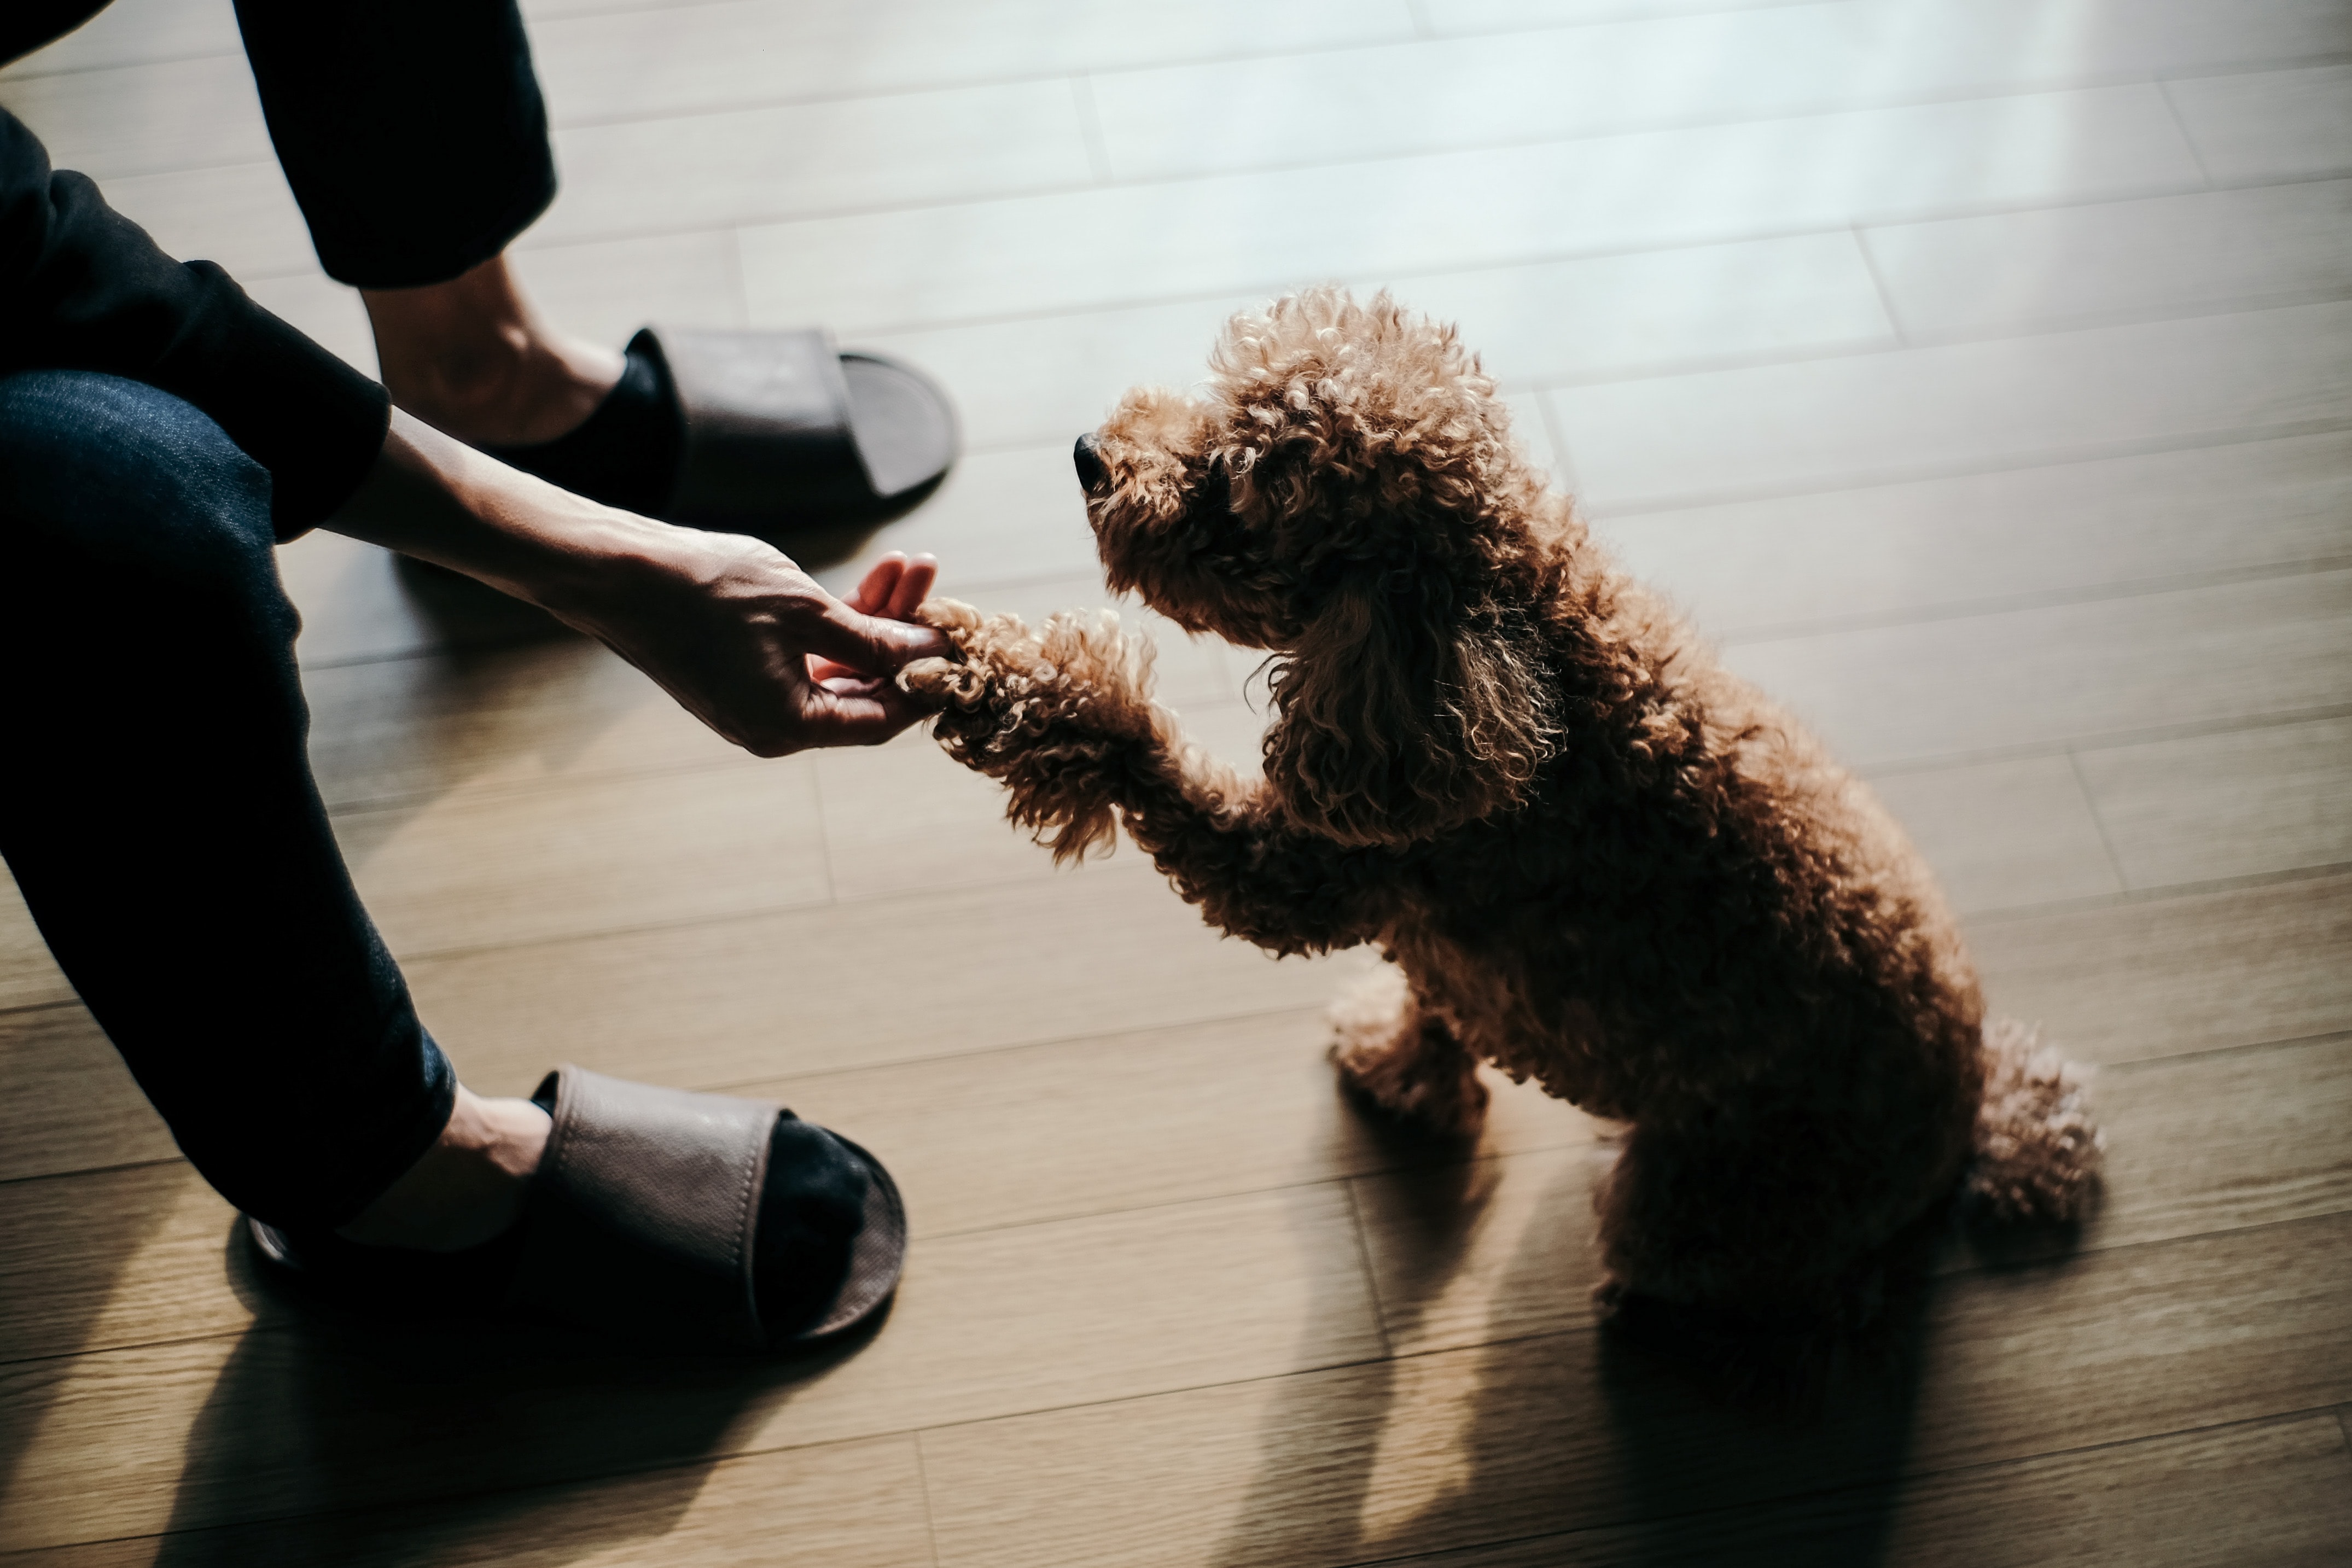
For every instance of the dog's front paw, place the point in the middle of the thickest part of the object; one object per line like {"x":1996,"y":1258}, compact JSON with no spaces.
{"x":944,"y":683}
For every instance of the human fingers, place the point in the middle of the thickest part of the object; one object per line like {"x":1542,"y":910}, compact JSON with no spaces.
{"x":875,"y":591}
{"x":914,"y":586}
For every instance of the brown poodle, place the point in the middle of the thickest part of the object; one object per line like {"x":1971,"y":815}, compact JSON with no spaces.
{"x":1590,"y":855}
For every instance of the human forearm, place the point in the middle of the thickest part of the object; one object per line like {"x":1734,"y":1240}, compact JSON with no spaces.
{"x":724,"y":622}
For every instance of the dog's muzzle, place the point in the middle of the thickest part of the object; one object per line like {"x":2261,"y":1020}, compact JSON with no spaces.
{"x":1091,"y":472}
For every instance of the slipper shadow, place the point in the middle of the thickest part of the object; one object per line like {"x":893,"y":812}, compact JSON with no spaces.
{"x":366,"y":1444}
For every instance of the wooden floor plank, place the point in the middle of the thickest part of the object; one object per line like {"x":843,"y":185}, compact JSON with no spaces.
{"x":138,"y":32}
{"x":298,"y":1421}
{"x":1888,"y":552}
{"x":2240,"y":803}
{"x":1030,"y":379}
{"x":858,"y":1504}
{"x":641,"y":61}
{"x":2197,"y":971}
{"x":1682,"y":440}
{"x":1123,"y":244}
{"x":2273,"y":1494}
{"x":1178,"y":119}
{"x":1449,"y":18}
{"x":71,"y":1104}
{"x":143,"y":118}
{"x":392,"y":731}
{"x":2004,"y":835}
{"x":1082,"y":1127}
{"x":101,"y":1259}
{"x":900,"y":819}
{"x":2116,"y":260}
{"x":2270,"y":125}
{"x":1505,"y":1247}
{"x":693,"y":172}
{"x":116,"y":1259}
{"x":1464,"y":1447}
{"x":803,"y":991}
{"x":29,"y":975}
{"x":484,"y":866}
{"x":2037,"y":679}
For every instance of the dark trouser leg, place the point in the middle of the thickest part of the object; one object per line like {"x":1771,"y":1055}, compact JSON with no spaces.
{"x":158,"y":811}
{"x":412,"y":130}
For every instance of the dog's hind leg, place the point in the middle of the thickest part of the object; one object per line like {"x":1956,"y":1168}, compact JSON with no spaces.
{"x":1401,"y":1057}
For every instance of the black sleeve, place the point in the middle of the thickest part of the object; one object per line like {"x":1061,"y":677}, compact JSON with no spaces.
{"x":83,"y":288}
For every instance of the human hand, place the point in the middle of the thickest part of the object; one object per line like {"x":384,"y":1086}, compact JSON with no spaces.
{"x":752,"y":645}
{"x":744,"y":638}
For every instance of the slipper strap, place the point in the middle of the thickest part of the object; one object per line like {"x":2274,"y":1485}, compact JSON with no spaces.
{"x":642,"y":1214}
{"x":767,"y":426}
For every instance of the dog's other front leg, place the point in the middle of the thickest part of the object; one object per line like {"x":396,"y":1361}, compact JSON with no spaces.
{"x":1402,"y":1057}
{"x":1063,"y":717}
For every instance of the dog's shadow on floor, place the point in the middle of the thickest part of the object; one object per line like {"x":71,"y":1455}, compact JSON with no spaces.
{"x":1562,"y":1441}
{"x":531,"y":1444}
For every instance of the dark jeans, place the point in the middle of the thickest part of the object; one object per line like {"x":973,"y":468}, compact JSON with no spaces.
{"x":412,"y":130}
{"x":158,"y":811}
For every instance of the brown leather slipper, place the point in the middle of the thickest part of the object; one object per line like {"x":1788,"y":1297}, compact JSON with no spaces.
{"x":767,"y":433}
{"x":683,"y":1222}
{"x":781,"y":429}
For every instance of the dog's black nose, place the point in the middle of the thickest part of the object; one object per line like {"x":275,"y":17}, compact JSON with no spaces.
{"x":1091,"y":473}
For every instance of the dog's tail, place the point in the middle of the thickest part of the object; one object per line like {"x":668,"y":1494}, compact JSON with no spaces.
{"x":2037,"y":1149}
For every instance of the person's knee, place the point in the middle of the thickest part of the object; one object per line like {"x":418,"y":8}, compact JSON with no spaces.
{"x":116,"y":474}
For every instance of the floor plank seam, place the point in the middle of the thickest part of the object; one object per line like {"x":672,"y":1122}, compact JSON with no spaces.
{"x":297,"y":1325}
{"x":2090,"y":802}
{"x":2131,"y":897}
{"x":1856,"y":1489}
{"x":54,"y":1005}
{"x":2112,"y":590}
{"x":2008,"y":462}
{"x":1548,"y":257}
{"x":1372,"y":1275}
{"x":2136,"y":1065}
{"x":1110,"y":1038}
{"x":1769,"y":632}
{"x":2180,"y":124}
{"x":1865,"y":103}
{"x":349,"y":808}
{"x":2185,"y":309}
{"x":18,"y":1181}
{"x":2011,"y":333}
{"x":931,"y":1504}
{"x":1090,"y":131}
{"x":8,"y":78}
{"x":2105,"y":740}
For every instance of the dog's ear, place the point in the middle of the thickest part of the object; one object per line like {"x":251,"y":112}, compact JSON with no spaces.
{"x":1405,"y":713}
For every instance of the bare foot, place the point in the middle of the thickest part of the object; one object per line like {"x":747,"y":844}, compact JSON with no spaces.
{"x":467,"y":1187}
{"x":473,"y":357}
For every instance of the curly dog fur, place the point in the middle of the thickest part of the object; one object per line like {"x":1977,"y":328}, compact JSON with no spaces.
{"x":1592,"y":856}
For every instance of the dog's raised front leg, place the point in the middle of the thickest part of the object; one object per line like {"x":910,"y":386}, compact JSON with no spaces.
{"x":1402,"y":1057}
{"x":1064,"y":717}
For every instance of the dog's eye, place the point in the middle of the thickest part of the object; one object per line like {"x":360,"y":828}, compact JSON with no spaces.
{"x":1215,"y":493}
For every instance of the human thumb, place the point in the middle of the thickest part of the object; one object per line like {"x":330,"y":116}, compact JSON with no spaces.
{"x":872,"y":644}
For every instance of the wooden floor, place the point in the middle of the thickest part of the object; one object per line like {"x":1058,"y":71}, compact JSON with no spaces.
{"x":1979,"y":372}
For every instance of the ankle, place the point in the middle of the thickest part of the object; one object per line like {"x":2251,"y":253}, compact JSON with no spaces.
{"x":467,"y":1187}
{"x":472,"y":358}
